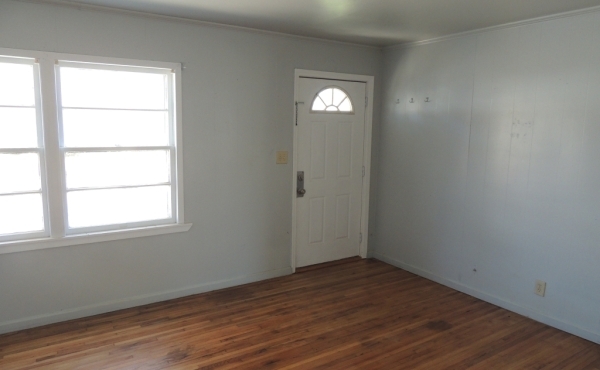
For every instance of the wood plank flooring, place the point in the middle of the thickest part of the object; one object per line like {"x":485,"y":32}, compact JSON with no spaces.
{"x":361,"y":314}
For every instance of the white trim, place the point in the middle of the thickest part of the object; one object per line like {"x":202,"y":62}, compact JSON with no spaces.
{"x":79,"y":239}
{"x":51,"y":137}
{"x":95,"y":149}
{"x":54,"y":57}
{"x":177,"y":132}
{"x":39,"y":191}
{"x":521,"y":310}
{"x":16,"y":60}
{"x":37,"y":150}
{"x":85,"y":230}
{"x":116,"y":109}
{"x":197,"y":22}
{"x":114,"y":305}
{"x":110,"y":63}
{"x":572,"y":13}
{"x":84,"y":61}
{"x":369,"y":81}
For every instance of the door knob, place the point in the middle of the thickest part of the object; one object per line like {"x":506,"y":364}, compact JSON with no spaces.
{"x":301,"y":191}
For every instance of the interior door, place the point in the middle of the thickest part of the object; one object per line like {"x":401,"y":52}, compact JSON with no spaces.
{"x":331,"y":125}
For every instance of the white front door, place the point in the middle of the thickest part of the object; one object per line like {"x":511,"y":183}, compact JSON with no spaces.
{"x":331,"y":130}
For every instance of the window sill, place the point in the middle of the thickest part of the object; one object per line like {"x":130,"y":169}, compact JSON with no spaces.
{"x":105,"y":236}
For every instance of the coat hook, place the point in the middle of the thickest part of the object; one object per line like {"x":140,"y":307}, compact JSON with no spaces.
{"x":412,"y":100}
{"x":427,"y":100}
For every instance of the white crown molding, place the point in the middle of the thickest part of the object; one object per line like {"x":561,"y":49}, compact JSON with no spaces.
{"x":135,"y":13}
{"x":546,"y":18}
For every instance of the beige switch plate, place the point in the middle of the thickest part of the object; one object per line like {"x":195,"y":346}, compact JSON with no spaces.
{"x":282,"y":157}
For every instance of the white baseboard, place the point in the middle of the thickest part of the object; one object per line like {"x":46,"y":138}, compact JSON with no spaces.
{"x":79,"y":312}
{"x":525,"y":311}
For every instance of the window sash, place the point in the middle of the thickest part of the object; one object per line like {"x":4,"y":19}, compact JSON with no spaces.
{"x":52,"y":151}
{"x":39,"y":150}
{"x":172,"y":148}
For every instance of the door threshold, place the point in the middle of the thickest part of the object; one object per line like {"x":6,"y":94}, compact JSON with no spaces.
{"x":323,"y":265}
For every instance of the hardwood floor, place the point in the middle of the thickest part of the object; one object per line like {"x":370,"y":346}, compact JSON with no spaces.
{"x":361,"y":314}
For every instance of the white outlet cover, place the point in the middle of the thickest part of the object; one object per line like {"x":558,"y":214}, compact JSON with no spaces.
{"x":540,"y":288}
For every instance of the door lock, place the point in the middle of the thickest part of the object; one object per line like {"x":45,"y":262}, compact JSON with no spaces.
{"x":300,"y":191}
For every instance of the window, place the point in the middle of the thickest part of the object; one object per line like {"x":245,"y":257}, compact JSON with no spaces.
{"x":102,"y":155}
{"x":22,"y":200}
{"x":332,"y":100}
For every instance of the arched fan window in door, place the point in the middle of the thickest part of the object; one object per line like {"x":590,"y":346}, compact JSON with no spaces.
{"x":332,"y":100}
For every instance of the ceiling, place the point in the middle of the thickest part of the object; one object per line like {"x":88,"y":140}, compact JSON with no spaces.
{"x":371,"y":22}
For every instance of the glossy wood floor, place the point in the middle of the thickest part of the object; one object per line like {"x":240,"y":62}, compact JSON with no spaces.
{"x":361,"y":314}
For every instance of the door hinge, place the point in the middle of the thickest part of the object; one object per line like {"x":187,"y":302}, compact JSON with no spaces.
{"x":363,"y":171}
{"x":366,"y":101}
{"x":359,"y":238}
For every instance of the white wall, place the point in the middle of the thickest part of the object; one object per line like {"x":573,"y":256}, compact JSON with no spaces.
{"x":496,"y":182}
{"x":237,"y":112}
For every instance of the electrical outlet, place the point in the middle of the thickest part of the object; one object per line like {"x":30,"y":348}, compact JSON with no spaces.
{"x":540,"y":288}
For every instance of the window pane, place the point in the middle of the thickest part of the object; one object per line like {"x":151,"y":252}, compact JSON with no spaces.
{"x":318,"y":104}
{"x":18,"y":128}
{"x":108,"y":169}
{"x":19,"y":173}
{"x":327,"y":96}
{"x":95,"y":88}
{"x":338,"y":96}
{"x":21,"y":213}
{"x":118,"y":206}
{"x":346,"y":106}
{"x":16,"y":84}
{"x":106,"y":128}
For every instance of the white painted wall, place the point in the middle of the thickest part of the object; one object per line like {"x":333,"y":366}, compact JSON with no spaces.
{"x":496,"y":182}
{"x":238,"y":90}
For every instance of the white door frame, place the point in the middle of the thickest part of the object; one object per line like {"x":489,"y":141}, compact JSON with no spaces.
{"x":364,"y":218}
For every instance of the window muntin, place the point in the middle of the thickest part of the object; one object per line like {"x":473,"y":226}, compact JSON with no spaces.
{"x":332,"y":100}
{"x":114,"y":177}
{"x":22,"y":190}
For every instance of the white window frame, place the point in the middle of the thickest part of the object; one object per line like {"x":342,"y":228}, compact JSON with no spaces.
{"x":39,"y":150}
{"x":312,"y":103}
{"x":57,"y":233}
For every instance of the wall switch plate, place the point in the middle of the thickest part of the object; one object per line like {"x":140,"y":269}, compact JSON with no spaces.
{"x":540,"y":288}
{"x":282,"y":157}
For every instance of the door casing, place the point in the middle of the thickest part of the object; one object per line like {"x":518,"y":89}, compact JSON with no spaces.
{"x":369,"y":80}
